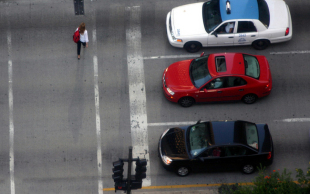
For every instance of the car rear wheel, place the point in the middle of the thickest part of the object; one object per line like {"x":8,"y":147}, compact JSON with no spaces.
{"x":248,"y":169}
{"x":182,"y":171}
{"x":186,"y":101}
{"x":192,"y":46}
{"x":260,"y":44}
{"x":249,"y":98}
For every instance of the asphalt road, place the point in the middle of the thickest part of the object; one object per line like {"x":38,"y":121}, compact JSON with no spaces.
{"x":63,"y":122}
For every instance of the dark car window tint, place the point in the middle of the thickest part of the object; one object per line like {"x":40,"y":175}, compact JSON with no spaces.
{"x":211,"y":15}
{"x":235,"y":81}
{"x":220,"y":64}
{"x":235,"y":151}
{"x":199,"y":72}
{"x":264,"y":15}
{"x":246,"y":26}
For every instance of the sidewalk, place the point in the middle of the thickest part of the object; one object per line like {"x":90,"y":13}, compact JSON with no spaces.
{"x":201,"y":190}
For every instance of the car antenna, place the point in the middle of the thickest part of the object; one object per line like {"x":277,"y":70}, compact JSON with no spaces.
{"x":198,"y":121}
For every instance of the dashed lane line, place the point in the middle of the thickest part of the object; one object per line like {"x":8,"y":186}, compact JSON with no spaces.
{"x":195,"y":56}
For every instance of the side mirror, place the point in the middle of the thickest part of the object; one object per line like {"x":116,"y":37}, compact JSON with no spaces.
{"x":205,"y":90}
{"x":215,"y":34}
{"x":198,"y":121}
{"x":202,"y":54}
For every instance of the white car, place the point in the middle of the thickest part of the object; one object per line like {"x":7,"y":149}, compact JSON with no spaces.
{"x":229,"y":23}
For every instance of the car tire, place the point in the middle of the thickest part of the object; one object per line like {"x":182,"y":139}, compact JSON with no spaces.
{"x":248,"y":168}
{"x":186,"y":101}
{"x":249,"y":98}
{"x":182,"y":171}
{"x":260,"y":44}
{"x":192,"y":47}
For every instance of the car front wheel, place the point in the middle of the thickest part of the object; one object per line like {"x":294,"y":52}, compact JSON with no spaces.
{"x":182,"y":171}
{"x":186,"y":101}
{"x":260,"y":44}
{"x":248,"y":169}
{"x":192,"y":46}
{"x":249,"y":98}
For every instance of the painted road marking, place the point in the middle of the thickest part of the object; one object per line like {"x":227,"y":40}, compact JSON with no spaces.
{"x":193,"y":122}
{"x":290,"y":52}
{"x":11,"y":119}
{"x":195,"y":56}
{"x":97,"y":98}
{"x":137,"y":97}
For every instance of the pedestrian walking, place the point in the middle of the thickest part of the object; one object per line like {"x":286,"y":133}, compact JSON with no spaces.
{"x":83,"y":38}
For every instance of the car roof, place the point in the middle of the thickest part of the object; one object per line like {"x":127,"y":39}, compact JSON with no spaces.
{"x":227,"y":132}
{"x":234,"y":64}
{"x":240,"y":9}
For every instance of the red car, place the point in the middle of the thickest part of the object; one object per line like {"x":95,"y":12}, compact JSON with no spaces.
{"x":218,"y":77}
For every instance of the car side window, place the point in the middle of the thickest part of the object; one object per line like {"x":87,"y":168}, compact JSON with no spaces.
{"x":246,"y":26}
{"x":226,"y":28}
{"x":235,"y":151}
{"x":216,"y":83}
{"x":235,"y":81}
{"x":213,"y":152}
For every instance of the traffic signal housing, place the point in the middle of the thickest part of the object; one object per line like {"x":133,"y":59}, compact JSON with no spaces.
{"x":140,"y":169}
{"x":118,"y":169}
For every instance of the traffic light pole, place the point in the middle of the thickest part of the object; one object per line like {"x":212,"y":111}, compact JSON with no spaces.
{"x":129,"y":170}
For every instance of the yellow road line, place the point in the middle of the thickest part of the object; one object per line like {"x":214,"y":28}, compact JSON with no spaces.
{"x":187,"y":186}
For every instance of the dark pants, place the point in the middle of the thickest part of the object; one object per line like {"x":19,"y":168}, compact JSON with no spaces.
{"x":79,"y":46}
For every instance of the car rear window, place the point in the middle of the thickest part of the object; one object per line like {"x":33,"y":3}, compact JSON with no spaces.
{"x":264,"y":15}
{"x":246,"y":133}
{"x":251,"y":66}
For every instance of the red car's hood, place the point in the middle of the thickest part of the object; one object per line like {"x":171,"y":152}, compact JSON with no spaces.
{"x":177,"y":76}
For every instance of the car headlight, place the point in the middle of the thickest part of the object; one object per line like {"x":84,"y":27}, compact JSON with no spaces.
{"x":170,"y":91}
{"x":166,"y":160}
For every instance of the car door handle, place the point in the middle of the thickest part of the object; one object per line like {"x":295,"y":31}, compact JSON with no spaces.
{"x":253,"y":35}
{"x":231,"y":37}
{"x":241,"y":90}
{"x":219,"y":91}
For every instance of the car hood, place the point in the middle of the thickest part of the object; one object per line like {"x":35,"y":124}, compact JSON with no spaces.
{"x":279,"y":16}
{"x":187,"y":20}
{"x":173,"y":144}
{"x":177,"y":76}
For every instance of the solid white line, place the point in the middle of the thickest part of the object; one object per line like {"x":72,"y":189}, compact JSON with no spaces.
{"x":137,"y":97}
{"x":10,"y":72}
{"x":171,"y":57}
{"x":290,"y":52}
{"x":98,"y":127}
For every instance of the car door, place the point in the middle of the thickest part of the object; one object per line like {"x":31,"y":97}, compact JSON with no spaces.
{"x":221,"y":36}
{"x":209,"y":159}
{"x":212,"y":91}
{"x":246,"y":33}
{"x":235,"y":88}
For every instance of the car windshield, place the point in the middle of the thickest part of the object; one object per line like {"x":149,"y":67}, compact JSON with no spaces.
{"x":211,"y":15}
{"x":264,"y":15}
{"x":199,"y":72}
{"x":200,"y":137}
{"x":251,"y":66}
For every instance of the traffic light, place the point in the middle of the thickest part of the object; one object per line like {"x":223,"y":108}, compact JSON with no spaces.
{"x":140,"y":169}
{"x":118,"y":169}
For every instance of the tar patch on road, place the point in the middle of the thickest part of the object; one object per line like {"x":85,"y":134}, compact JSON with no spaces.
{"x":79,"y":7}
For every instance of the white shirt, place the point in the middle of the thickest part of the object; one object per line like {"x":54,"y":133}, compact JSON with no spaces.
{"x":83,"y":37}
{"x":229,"y":25}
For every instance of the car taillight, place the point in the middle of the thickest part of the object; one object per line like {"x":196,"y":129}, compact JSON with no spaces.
{"x":269,"y":156}
{"x":267,"y":86}
{"x":287,"y":31}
